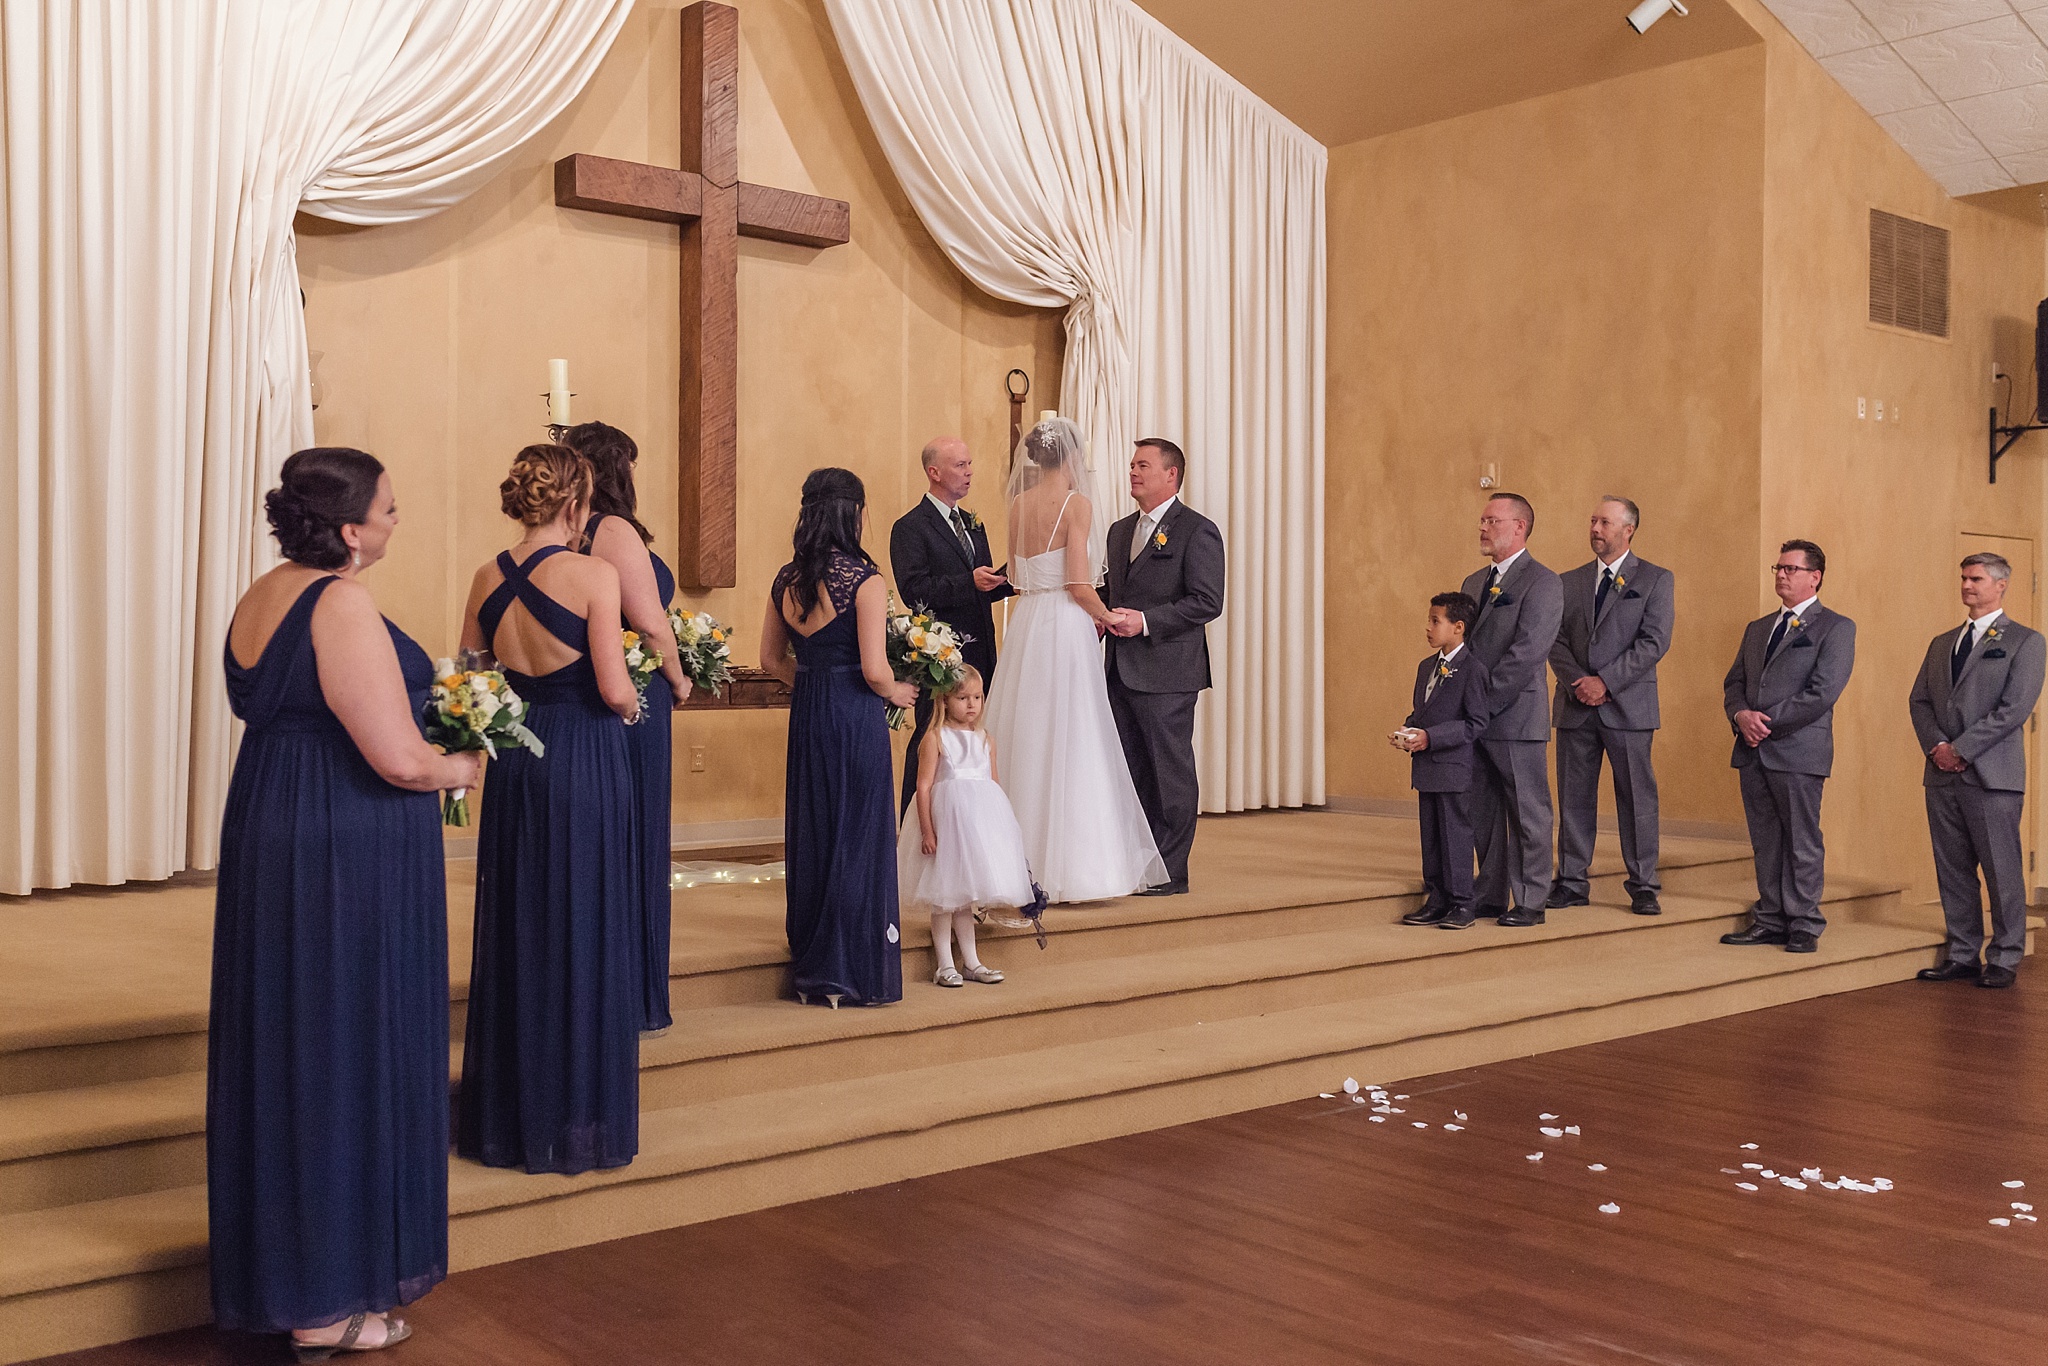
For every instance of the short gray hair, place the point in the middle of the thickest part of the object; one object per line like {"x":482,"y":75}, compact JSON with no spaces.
{"x":1635,"y":514}
{"x":1997,"y":566}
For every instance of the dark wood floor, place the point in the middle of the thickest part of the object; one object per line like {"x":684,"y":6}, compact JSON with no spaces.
{"x":1308,"y":1234}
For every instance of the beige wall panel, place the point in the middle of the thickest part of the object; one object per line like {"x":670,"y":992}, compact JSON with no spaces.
{"x":435,"y":338}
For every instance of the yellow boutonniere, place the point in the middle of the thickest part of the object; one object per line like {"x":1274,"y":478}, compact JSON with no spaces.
{"x":1620,"y":581}
{"x":1443,"y":670}
{"x":1991,"y":633}
{"x":1159,"y":539}
{"x":973,"y":522}
{"x":1494,"y":591}
{"x":1797,"y":623}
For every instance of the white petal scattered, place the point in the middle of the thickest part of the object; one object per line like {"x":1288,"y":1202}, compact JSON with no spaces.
{"x":1768,"y":1174}
{"x":1460,"y":1116}
{"x":1400,"y":1097}
{"x":1752,"y":1166}
{"x":2022,"y":1206}
{"x":2002,"y":1223}
{"x":2014,"y":1185}
{"x":1377,"y":1119}
{"x":1548,"y":1132}
{"x":1610,"y":1208}
{"x":1546,"y":1116}
{"x":1830,"y":1185}
{"x":1327,"y":1096}
{"x":1792,"y":1183}
{"x":2028,"y":1217}
{"x":1351,"y":1086}
{"x":1418,"y":1124}
{"x":1535,"y":1157}
{"x":1749,"y":1147}
{"x":1812,"y":1174}
{"x":1596,"y":1167}
{"x":1455,"y":1128}
{"x":1571,"y":1129}
{"x":1358,"y":1100}
{"x":1881,"y":1183}
{"x":1392,"y":1110}
{"x":1745,"y":1185}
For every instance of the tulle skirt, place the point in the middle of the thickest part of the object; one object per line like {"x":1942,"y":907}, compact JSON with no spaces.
{"x":1059,"y":758}
{"x":980,"y":861}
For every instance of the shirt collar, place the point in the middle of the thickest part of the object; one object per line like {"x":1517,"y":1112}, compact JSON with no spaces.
{"x":934,"y":500}
{"x":1156,"y":515}
{"x":1984,"y":623}
{"x":1448,"y":655}
{"x":1619,"y":561}
{"x":1509,"y":563}
{"x":1802,"y":609}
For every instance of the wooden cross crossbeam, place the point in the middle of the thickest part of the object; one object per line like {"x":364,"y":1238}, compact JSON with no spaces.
{"x":715,"y":209}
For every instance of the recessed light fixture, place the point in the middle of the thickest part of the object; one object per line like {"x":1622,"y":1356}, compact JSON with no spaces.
{"x":1650,"y":11}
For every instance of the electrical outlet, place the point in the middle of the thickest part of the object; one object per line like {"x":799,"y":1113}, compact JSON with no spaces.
{"x":1861,"y":411}
{"x":697,"y":758}
{"x":1880,"y":410}
{"x":1895,"y":412}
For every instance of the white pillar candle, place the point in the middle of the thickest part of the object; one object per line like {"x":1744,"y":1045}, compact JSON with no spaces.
{"x":1048,"y":415}
{"x":558,"y":392}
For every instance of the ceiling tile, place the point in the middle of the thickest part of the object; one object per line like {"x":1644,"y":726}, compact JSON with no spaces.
{"x":1978,"y":59}
{"x":1825,"y":27}
{"x":2027,"y":168}
{"x":2008,"y":122}
{"x":1897,"y":19}
{"x":1975,"y":177}
{"x":1934,"y":136}
{"x":1880,"y":80}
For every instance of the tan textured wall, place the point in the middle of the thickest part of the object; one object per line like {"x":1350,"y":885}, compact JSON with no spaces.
{"x":1568,"y":289}
{"x":436,"y":335}
{"x":1886,"y":501}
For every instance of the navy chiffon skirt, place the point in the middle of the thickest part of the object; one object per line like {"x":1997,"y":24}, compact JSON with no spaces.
{"x":649,"y":742}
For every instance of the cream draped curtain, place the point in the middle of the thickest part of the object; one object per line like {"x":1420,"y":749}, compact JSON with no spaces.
{"x":153,"y":353}
{"x":1076,"y":154}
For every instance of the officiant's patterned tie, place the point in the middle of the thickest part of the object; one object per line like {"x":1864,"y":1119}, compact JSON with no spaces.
{"x":959,"y":521}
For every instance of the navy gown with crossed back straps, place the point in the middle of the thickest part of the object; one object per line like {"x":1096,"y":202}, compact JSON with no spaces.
{"x":551,"y":1058}
{"x":649,"y":744}
{"x":839,"y":810}
{"x":327,"y":1043}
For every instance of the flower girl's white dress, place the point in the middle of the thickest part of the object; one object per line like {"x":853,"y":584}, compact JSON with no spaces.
{"x":981,"y":851}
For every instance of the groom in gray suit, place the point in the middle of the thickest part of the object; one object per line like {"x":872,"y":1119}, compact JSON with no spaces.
{"x":1780,"y":698}
{"x":1520,"y":604}
{"x":1617,"y":625}
{"x":1970,"y":705}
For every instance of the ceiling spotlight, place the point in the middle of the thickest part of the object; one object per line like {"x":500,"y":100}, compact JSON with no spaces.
{"x":1650,"y":11}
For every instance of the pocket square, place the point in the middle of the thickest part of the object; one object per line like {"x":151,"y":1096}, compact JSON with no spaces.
{"x":1994,"y":654}
{"x":1632,"y":593}
{"x":1800,"y":643}
{"x":1504,"y":600}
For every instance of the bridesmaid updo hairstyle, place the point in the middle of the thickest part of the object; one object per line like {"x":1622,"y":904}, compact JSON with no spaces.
{"x":828,"y":520}
{"x":545,"y":478}
{"x":612,"y":455}
{"x":320,"y":490}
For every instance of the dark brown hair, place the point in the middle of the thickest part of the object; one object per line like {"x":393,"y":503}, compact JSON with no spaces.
{"x":320,"y":490}
{"x":1457,"y":607}
{"x":612,"y":455}
{"x":1816,"y":558}
{"x":1170,"y":456}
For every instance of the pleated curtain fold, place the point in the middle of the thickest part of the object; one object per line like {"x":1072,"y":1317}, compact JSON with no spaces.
{"x":1076,"y":154}
{"x":153,"y":353}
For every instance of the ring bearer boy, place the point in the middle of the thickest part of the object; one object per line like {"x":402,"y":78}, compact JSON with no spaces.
{"x":1450,"y":715}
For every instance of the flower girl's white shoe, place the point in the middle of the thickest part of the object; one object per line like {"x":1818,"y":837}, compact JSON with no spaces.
{"x":948,"y":977}
{"x":983,"y":973}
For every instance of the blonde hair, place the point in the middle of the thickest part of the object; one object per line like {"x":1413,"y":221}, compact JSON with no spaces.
{"x":969,"y":674}
{"x":545,"y":478}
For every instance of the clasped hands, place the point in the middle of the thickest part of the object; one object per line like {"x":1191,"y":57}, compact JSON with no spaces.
{"x":1122,"y":621}
{"x":1409,"y":740}
{"x":1946,"y":759}
{"x":1590,"y":690}
{"x":1754,"y":727}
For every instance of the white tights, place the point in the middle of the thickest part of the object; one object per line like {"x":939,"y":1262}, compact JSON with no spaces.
{"x":947,"y":926}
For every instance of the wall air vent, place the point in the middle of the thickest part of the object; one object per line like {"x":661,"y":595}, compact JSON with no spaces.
{"x":1908,"y":274}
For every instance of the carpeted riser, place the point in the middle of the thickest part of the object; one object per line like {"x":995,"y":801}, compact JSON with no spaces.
{"x":93,"y":1315}
{"x":101,"y":1173}
{"x":95,"y":1064}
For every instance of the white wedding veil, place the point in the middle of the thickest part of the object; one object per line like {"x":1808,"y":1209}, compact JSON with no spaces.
{"x":1055,"y":450}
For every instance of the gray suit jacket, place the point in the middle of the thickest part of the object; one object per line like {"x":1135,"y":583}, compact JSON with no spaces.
{"x":1797,"y":690}
{"x":1984,"y":712}
{"x":1512,"y":638}
{"x":1177,"y":582}
{"x":1622,"y":645}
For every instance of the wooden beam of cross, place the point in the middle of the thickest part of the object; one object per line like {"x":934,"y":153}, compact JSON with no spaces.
{"x":715,"y":208}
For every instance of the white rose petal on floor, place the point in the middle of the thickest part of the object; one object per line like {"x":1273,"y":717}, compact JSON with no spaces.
{"x":1610,"y":1208}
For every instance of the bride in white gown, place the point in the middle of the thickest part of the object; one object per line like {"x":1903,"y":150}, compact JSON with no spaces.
{"x":1062,"y":763}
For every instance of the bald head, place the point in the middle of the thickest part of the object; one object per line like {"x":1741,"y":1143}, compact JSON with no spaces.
{"x":948,"y":467}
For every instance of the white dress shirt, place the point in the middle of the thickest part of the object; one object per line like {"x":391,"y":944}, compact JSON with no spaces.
{"x":1148,"y":522}
{"x":1443,"y":657}
{"x":1982,"y":624}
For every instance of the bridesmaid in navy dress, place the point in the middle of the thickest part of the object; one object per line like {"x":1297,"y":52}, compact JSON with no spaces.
{"x":646,"y":588}
{"x":839,"y":806}
{"x":551,"y":1062}
{"x":327,"y":1050}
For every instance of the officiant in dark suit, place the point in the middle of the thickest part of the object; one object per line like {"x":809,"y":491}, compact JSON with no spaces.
{"x":939,"y":551}
{"x":1166,"y":579}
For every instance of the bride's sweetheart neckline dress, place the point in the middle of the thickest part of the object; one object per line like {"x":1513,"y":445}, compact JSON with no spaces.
{"x":1062,"y":763}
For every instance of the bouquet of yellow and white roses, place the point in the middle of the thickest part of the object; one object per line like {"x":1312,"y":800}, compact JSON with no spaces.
{"x":473,"y":709}
{"x":922,"y":650}
{"x":643,"y":661}
{"x":706,"y":648}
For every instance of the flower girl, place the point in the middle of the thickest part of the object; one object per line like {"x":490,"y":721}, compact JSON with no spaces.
{"x":960,"y":850}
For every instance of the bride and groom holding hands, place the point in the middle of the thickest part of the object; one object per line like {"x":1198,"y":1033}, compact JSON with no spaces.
{"x":1092,"y":713}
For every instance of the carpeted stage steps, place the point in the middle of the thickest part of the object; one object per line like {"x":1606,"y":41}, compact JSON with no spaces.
{"x":1280,"y":975}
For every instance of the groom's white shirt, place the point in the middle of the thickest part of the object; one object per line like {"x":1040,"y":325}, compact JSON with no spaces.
{"x":1141,"y":533}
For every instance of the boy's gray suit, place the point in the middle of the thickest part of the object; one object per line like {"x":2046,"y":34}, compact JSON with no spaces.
{"x":1510,"y":797}
{"x":1621,"y":643}
{"x":1974,"y":816}
{"x":1796,"y":688}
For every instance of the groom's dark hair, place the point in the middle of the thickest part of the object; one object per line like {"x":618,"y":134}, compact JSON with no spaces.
{"x":1170,"y":456}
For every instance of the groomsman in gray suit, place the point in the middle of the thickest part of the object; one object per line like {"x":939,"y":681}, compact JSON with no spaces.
{"x":1970,"y":706}
{"x":1520,"y":604}
{"x":1780,"y":697}
{"x":1617,"y":625}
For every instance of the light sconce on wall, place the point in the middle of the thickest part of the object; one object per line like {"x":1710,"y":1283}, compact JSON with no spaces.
{"x":1650,"y":11}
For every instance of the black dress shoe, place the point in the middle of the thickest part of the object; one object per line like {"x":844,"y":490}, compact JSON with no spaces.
{"x":1179,"y":888}
{"x":1425,"y":915}
{"x":1646,"y":904}
{"x":1521,"y":918}
{"x":1489,"y":912}
{"x":1755,"y":934}
{"x":1996,"y":977}
{"x":1559,"y":898}
{"x":1459,"y":918}
{"x":1954,"y":970}
{"x":1799,"y":941}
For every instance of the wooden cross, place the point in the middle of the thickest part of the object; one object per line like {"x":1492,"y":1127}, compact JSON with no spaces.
{"x":715,"y":208}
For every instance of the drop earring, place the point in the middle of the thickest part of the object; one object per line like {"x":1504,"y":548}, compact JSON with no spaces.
{"x":356,"y":558}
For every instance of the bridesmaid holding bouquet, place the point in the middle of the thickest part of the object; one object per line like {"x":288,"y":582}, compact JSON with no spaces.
{"x":646,"y":588}
{"x":551,"y":1067}
{"x":327,"y":1045}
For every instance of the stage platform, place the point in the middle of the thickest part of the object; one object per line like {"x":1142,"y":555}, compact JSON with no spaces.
{"x":1283,"y":972}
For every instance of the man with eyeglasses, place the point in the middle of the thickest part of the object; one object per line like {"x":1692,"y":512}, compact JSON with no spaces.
{"x":1970,"y":705}
{"x":1520,"y":605}
{"x":1780,"y":697}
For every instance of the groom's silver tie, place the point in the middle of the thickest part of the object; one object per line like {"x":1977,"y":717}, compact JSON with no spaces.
{"x":1138,"y":534}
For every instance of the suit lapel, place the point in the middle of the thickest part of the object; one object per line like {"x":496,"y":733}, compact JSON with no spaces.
{"x":1613,"y":594}
{"x":1805,"y":627}
{"x":1944,"y":690}
{"x":1983,"y":647}
{"x":945,"y":526}
{"x":1165,"y":528}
